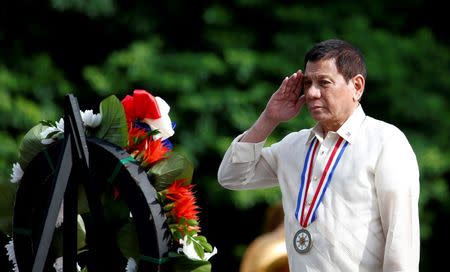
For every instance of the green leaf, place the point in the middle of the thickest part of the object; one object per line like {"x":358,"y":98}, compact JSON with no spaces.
{"x":48,"y":123}
{"x":81,"y":233}
{"x":200,"y":238}
{"x":181,"y":263}
{"x":204,"y":243}
{"x":7,"y":196}
{"x":191,"y":232}
{"x":177,"y":235}
{"x":30,"y":146}
{"x":192,"y":222}
{"x":182,"y":220}
{"x":128,"y":241}
{"x":199,"y":249}
{"x":83,"y":204}
{"x":173,"y":168}
{"x":113,"y":127}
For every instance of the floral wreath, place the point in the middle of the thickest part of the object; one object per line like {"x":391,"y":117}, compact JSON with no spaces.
{"x":146,"y":128}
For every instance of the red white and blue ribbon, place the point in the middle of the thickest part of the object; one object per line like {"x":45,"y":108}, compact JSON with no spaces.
{"x":307,"y":215}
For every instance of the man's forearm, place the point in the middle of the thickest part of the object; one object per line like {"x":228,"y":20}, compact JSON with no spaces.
{"x":260,"y":130}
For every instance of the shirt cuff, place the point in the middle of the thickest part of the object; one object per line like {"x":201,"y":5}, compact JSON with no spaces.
{"x":245,"y":152}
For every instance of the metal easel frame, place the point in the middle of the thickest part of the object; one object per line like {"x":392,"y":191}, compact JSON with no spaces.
{"x":73,"y":168}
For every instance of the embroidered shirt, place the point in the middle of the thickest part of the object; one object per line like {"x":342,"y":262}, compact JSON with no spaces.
{"x":368,"y":219}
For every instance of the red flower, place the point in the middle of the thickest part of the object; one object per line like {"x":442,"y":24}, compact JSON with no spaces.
{"x":127,"y":104}
{"x":184,"y":202}
{"x":145,"y":105}
{"x":140,"y":106}
{"x":136,"y":138}
{"x":154,"y":151}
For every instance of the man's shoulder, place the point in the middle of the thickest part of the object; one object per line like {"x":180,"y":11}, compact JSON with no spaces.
{"x":301,"y":134}
{"x":297,"y":136}
{"x":382,"y":128}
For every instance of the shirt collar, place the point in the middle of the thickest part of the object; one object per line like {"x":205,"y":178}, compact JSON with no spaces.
{"x":348,"y":130}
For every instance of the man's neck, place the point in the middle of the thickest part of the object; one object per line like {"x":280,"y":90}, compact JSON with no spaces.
{"x":334,"y":125}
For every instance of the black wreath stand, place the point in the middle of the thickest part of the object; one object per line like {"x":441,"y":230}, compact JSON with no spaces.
{"x":73,"y":167}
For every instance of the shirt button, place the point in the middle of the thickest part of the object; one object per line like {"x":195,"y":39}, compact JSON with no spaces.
{"x":315,"y":178}
{"x":321,"y":153}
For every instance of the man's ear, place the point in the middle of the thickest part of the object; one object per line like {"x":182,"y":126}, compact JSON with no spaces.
{"x":358,"y":83}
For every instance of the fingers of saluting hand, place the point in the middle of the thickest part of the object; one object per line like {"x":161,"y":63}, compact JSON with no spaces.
{"x":292,"y":84}
{"x":299,"y":82}
{"x":282,"y":88}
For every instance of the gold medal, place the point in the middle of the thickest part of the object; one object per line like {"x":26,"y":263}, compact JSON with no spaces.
{"x":302,"y":241}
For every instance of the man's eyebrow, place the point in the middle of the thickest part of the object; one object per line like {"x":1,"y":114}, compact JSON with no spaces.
{"x":319,"y":76}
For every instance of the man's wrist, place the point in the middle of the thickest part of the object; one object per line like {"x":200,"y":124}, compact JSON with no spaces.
{"x":260,"y":130}
{"x":267,"y":121}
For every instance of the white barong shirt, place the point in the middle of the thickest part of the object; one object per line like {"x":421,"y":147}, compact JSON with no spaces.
{"x":368,"y":219}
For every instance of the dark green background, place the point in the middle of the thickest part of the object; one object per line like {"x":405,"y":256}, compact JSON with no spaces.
{"x":217,"y":63}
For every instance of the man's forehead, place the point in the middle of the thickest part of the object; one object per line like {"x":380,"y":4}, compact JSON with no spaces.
{"x":320,"y":69}
{"x":316,"y":75}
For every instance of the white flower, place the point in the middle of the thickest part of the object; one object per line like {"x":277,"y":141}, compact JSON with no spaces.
{"x":47,"y":141}
{"x":17,"y":173}
{"x":189,"y":251}
{"x":90,"y":119}
{"x":59,"y":128}
{"x":58,"y":265}
{"x":44,"y":133}
{"x":131,"y":265}
{"x":162,"y":124}
{"x":60,"y":218}
{"x":60,"y":125}
{"x":11,"y":255}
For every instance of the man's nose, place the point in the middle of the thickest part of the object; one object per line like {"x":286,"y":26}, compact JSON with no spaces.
{"x":313,"y":92}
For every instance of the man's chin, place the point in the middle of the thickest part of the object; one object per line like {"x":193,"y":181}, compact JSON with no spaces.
{"x":318,"y":115}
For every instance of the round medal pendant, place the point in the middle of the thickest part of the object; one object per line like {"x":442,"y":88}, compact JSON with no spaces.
{"x":302,"y":241}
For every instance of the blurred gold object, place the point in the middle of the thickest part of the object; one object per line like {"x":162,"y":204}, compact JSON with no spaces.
{"x":267,"y":253}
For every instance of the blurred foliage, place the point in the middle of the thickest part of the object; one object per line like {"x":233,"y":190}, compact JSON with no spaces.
{"x":216,"y":64}
{"x":90,"y":8}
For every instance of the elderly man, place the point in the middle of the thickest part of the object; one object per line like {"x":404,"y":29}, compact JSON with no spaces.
{"x":350,"y":184}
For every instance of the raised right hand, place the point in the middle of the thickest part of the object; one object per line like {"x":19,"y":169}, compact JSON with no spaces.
{"x":286,"y":102}
{"x":283,"y":105}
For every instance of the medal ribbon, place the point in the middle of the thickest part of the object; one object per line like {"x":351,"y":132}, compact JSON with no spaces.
{"x":325,"y":179}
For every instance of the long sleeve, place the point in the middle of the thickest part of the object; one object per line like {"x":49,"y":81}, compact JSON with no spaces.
{"x":244,"y":167}
{"x":368,"y":219}
{"x":397,"y":188}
